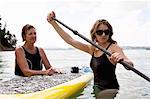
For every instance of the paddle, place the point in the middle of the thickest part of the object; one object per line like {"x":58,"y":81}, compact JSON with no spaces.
{"x":125,"y":64}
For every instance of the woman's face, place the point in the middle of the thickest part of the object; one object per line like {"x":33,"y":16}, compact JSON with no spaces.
{"x":102,"y":34}
{"x":30,"y":36}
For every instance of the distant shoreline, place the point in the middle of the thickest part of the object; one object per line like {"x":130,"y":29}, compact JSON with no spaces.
{"x":124,"y":47}
{"x":136,"y":47}
{"x":2,"y":48}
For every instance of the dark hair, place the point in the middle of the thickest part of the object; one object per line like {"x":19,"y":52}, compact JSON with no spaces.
{"x":97,"y":24}
{"x":24,"y":30}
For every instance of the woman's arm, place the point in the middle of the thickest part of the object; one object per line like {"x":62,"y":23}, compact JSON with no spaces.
{"x":118,"y":55}
{"x":44,"y":59}
{"x":66,"y":37}
{"x":46,"y":62}
{"x":21,"y":61}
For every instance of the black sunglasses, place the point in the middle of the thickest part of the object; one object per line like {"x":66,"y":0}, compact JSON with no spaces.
{"x":100,"y":32}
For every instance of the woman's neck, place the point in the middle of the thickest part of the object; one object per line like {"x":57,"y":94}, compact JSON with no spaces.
{"x":29,"y":46}
{"x":104,"y":45}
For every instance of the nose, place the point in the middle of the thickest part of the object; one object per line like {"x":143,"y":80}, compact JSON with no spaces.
{"x":103,"y":34}
{"x":34,"y":34}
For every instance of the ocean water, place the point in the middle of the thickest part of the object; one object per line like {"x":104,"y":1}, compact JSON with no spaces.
{"x":132,"y":86}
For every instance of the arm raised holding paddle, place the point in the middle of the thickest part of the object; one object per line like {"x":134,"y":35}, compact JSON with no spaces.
{"x":103,"y":65}
{"x":103,"y":39}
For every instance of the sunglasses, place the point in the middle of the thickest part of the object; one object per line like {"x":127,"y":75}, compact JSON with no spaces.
{"x":100,"y":32}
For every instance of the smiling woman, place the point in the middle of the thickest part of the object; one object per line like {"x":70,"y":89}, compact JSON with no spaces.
{"x":29,"y":58}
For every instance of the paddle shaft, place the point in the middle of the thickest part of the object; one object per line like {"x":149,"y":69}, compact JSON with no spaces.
{"x":125,"y":64}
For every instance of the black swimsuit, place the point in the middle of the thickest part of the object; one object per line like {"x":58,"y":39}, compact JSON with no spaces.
{"x":104,"y":72}
{"x":34,"y":62}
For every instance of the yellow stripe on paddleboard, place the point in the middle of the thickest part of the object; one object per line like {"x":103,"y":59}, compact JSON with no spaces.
{"x":62,"y":91}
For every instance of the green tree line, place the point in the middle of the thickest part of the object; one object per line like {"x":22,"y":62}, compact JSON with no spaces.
{"x":7,"y":39}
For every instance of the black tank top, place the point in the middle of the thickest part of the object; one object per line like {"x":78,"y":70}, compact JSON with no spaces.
{"x":104,"y":72}
{"x":34,"y":62}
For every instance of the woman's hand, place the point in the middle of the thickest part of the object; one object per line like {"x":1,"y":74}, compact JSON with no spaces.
{"x":116,"y":57}
{"x":50,"y":17}
{"x":57,"y":71}
{"x":52,"y":71}
{"x":49,"y":71}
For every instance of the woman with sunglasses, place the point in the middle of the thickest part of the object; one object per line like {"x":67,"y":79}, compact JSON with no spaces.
{"x":103,"y":66}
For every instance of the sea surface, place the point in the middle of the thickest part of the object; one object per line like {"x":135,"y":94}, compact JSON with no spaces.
{"x":132,"y":86}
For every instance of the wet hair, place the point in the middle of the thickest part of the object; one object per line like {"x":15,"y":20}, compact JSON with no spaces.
{"x":95,"y":27}
{"x":24,"y":30}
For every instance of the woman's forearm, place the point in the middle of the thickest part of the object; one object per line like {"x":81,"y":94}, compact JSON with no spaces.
{"x":66,"y":37}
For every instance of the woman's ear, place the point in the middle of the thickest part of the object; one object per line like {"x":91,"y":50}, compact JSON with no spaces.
{"x":93,"y":37}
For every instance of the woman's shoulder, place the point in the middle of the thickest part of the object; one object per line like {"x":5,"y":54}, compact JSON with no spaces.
{"x":40,"y":49}
{"x":18,"y":48}
{"x":115,"y":47}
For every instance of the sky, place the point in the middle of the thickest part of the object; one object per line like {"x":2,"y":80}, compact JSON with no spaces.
{"x":130,"y":19}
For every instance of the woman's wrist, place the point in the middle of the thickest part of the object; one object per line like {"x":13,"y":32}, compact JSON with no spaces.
{"x":52,"y":21}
